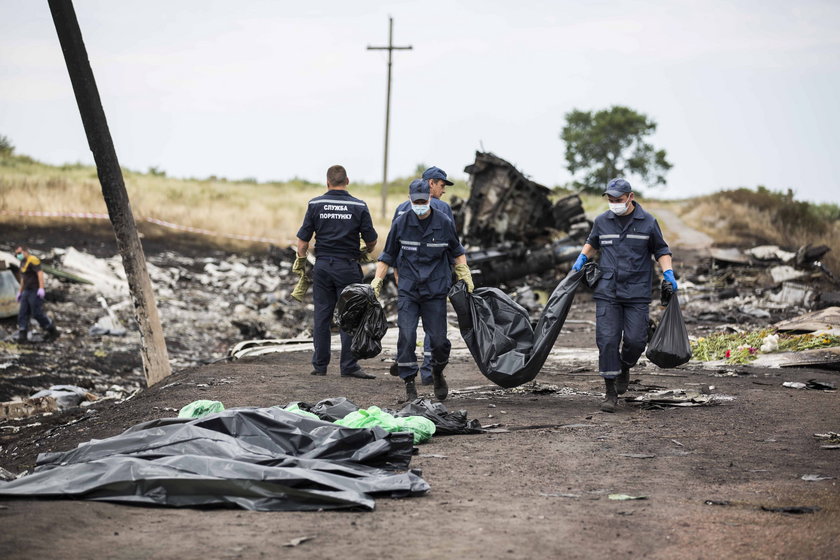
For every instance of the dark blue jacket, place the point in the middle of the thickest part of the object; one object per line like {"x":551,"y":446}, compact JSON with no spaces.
{"x":422,"y":257}
{"x":437,"y":204}
{"x":337,"y":219}
{"x":625,"y":255}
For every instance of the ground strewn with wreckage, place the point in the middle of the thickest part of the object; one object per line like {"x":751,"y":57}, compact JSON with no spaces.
{"x":537,"y":484}
{"x":539,"y":488}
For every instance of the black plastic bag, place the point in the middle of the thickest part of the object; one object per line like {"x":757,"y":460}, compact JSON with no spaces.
{"x":666,"y":290}
{"x":263,"y":459}
{"x":446,"y":422}
{"x":361,"y":316}
{"x":669,"y":346}
{"x":591,"y":274}
{"x":333,"y":409}
{"x":498,"y":332}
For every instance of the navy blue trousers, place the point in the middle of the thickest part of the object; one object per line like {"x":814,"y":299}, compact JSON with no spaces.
{"x":426,"y":368}
{"x":31,"y":306}
{"x":433,"y":312}
{"x":330,"y":275}
{"x":620,"y":333}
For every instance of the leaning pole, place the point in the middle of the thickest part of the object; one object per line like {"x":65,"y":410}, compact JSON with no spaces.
{"x":152,"y":344}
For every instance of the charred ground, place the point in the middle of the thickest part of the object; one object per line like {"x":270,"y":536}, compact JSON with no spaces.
{"x":537,"y":487}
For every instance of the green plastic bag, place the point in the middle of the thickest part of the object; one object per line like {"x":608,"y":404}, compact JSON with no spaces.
{"x":421,"y":428}
{"x":197,"y":409}
{"x":293,"y":407}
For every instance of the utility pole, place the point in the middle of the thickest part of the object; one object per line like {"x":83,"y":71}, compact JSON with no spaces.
{"x":152,"y":345}
{"x":390,"y":48}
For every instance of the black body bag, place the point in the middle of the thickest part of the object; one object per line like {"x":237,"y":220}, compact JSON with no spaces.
{"x":498,"y":331}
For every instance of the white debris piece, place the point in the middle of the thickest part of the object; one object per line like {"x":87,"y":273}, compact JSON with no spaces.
{"x":784,"y":273}
{"x":770,"y":252}
{"x":794,"y":385}
{"x":770,"y":343}
{"x":66,"y":396}
{"x":107,"y":275}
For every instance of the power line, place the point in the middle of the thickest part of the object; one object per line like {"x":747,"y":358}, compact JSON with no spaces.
{"x":390,"y":48}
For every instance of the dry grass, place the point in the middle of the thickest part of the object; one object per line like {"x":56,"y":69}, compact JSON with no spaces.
{"x":745,"y":218}
{"x":270,"y":210}
{"x":275,"y":210}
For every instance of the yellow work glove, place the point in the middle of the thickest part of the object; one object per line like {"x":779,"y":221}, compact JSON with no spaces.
{"x":301,"y":287}
{"x":376,"y":284}
{"x":462,"y":272}
{"x":365,"y":257}
{"x":300,"y":266}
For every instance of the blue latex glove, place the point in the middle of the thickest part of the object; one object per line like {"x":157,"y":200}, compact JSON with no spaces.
{"x":669,"y":276}
{"x":581,"y":260}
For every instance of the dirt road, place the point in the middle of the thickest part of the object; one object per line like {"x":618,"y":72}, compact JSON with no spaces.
{"x":538,"y":490}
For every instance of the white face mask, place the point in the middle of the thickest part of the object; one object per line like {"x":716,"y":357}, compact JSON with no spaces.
{"x":619,"y":208}
{"x":420,"y":209}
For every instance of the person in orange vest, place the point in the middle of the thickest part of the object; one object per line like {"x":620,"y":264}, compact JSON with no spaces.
{"x":31,"y":296}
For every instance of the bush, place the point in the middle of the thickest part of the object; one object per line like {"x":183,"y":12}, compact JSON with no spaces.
{"x":745,"y":217}
{"x":6,"y":146}
{"x":788,"y":214}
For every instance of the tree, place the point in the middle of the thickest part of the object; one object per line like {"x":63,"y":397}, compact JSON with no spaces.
{"x":6,"y":146}
{"x":611,"y":143}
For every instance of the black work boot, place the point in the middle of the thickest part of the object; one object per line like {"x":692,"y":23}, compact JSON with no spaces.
{"x":52,"y":333}
{"x":623,"y":379}
{"x":22,"y":338}
{"x":439,"y":381}
{"x":410,"y":389}
{"x":611,"y":398}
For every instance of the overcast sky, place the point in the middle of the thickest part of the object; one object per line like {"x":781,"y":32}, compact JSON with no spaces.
{"x":744,"y":92}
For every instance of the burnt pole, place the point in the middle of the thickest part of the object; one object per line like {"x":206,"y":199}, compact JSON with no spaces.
{"x":152,"y":345}
{"x":390,"y":48}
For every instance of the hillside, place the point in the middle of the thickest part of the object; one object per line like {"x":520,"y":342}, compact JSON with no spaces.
{"x":245,"y":213}
{"x":266,"y":212}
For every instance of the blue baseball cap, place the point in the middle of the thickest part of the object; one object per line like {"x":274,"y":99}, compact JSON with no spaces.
{"x":436,"y":173}
{"x":419,"y":190}
{"x":618,"y":187}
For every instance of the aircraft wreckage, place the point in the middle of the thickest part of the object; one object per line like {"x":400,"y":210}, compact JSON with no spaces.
{"x":509,"y":225}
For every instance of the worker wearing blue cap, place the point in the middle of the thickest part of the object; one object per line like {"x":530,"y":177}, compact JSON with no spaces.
{"x":626,"y":237}
{"x":437,"y":188}
{"x":421,"y":244}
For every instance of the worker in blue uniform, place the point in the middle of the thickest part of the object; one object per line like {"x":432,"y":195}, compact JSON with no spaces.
{"x":626,"y":236}
{"x":421,"y":244}
{"x":438,"y":182}
{"x":338,"y":221}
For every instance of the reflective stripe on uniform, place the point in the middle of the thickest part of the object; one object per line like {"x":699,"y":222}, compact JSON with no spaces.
{"x":636,"y":236}
{"x":609,"y":236}
{"x":437,"y":244}
{"x":412,"y":243}
{"x":331,"y":201}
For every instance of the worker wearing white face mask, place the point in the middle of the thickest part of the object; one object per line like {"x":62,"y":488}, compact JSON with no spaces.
{"x":421,"y":245}
{"x":626,"y":237}
{"x":438,"y":182}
